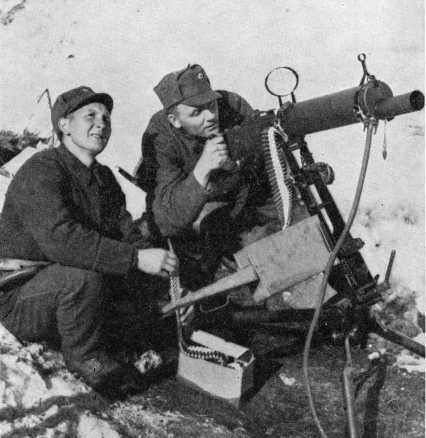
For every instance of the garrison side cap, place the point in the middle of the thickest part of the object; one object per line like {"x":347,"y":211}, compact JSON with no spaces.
{"x":190,"y":86}
{"x":74,"y":99}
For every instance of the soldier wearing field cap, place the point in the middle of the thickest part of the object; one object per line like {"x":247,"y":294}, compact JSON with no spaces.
{"x":65,"y":213}
{"x":187,"y":170}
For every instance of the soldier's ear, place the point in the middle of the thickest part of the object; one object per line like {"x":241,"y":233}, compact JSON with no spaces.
{"x":174,"y":121}
{"x":63,"y":125}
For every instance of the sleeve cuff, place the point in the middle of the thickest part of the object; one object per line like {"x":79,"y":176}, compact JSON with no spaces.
{"x":115,"y":257}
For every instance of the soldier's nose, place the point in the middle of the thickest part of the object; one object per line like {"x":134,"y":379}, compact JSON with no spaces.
{"x":210,"y":115}
{"x":101,"y":122}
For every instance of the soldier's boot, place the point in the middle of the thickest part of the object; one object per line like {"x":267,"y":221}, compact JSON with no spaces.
{"x":105,"y":375}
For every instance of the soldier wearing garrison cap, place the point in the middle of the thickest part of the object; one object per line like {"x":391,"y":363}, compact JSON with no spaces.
{"x":190,"y":86}
{"x":187,"y":170}
{"x":65,"y":214}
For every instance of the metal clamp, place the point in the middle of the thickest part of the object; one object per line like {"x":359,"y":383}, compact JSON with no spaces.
{"x":366,"y":75}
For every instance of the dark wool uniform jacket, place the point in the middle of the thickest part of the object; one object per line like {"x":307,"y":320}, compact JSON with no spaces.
{"x":174,"y":196}
{"x":57,"y":209}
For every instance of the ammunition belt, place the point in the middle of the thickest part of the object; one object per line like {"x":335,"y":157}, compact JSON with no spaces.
{"x":203,"y":353}
{"x":196,"y":352}
{"x":283,"y":192}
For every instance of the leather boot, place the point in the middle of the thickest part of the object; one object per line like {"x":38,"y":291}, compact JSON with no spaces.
{"x":107,"y":376}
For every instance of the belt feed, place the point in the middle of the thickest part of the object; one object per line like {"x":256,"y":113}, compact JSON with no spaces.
{"x":196,"y":352}
{"x":283,"y":192}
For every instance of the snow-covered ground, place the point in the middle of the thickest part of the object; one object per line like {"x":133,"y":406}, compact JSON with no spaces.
{"x":125,"y":47}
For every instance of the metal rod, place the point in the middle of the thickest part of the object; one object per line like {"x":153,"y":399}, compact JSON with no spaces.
{"x":398,"y":338}
{"x":389,"y":268}
{"x":348,"y":392}
{"x":254,"y":316}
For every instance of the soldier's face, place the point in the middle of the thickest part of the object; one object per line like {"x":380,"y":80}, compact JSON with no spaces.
{"x":201,"y":121}
{"x":88,"y":128}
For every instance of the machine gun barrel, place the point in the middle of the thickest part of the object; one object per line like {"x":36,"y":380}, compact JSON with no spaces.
{"x":402,"y":104}
{"x":345,"y":107}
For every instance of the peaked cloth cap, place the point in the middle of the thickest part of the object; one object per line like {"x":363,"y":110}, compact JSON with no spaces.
{"x":190,"y":86}
{"x":72,"y":100}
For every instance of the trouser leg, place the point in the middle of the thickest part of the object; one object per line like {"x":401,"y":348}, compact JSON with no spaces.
{"x":60,"y":301}
{"x":133,"y":320}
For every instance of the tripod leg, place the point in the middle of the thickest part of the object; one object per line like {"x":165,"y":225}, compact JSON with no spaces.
{"x":397,"y":338}
{"x":348,"y":392}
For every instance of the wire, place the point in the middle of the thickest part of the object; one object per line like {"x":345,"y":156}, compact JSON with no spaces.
{"x":370,"y":124}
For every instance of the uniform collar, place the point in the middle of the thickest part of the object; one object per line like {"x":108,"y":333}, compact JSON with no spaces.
{"x":83,"y":173}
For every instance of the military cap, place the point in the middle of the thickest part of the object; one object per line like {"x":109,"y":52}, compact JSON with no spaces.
{"x":72,"y":100}
{"x":190,"y":86}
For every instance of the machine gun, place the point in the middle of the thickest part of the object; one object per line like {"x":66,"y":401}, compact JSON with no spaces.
{"x":299,"y":185}
{"x":336,"y":272}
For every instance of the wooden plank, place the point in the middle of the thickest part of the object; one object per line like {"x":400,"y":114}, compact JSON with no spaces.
{"x":303,"y":295}
{"x":243,"y":276}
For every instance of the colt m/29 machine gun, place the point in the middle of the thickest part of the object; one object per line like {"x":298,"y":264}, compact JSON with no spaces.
{"x":314,"y":260}
{"x":299,"y":186}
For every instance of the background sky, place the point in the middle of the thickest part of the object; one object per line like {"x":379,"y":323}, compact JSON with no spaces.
{"x":125,"y":47}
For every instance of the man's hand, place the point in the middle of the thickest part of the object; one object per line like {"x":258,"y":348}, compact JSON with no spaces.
{"x":157,"y":261}
{"x":215,"y":154}
{"x":186,"y":315}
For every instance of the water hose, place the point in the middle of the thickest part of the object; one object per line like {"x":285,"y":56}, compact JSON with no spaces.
{"x":370,"y":125}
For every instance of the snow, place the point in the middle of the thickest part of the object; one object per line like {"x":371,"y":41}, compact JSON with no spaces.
{"x":411,"y":362}
{"x":23,"y":386}
{"x":125,"y":47}
{"x":93,"y":427}
{"x":12,"y":166}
